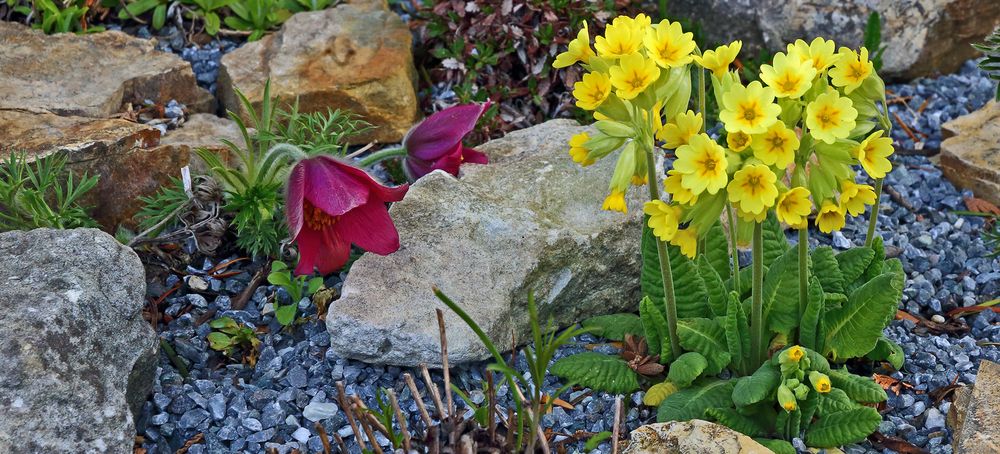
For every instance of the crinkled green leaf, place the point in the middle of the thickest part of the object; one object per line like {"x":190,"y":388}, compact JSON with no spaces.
{"x":717,"y":251}
{"x":718,"y":297}
{"x":597,"y":371}
{"x":809,"y":406}
{"x":889,"y":351}
{"x":780,"y":293}
{"x":853,"y":262}
{"x":817,"y":361}
{"x":691,"y":403}
{"x":615,"y":326}
{"x":757,"y":387}
{"x":844,"y":427}
{"x":826,"y":268}
{"x":654,"y":326}
{"x":775,"y":243}
{"x":707,"y":337}
{"x":737,"y":331}
{"x":877,"y":266}
{"x":860,"y":389}
{"x":689,"y":289}
{"x":834,"y":401}
{"x":777,"y":446}
{"x":686,"y":368}
{"x":788,"y":424}
{"x":732,"y":419}
{"x":811,"y":333}
{"x":853,"y":330}
{"x":832,"y":301}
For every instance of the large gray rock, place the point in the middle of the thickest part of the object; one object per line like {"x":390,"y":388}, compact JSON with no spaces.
{"x":691,"y":437}
{"x":529,"y":221}
{"x":77,"y":359}
{"x":923,"y":37}
{"x":977,"y":428}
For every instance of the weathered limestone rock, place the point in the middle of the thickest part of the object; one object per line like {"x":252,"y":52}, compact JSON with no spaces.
{"x":979,"y":428}
{"x":351,"y":57}
{"x":970,"y":154}
{"x":202,"y":131}
{"x":529,"y":221}
{"x":78,"y":360}
{"x":691,"y":437}
{"x":90,"y":75}
{"x":923,"y":37}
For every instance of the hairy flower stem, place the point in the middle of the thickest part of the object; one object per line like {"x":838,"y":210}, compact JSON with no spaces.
{"x":661,"y":252}
{"x":803,"y":271}
{"x":873,"y":219}
{"x":701,"y":98}
{"x":381,"y":155}
{"x":733,"y":248}
{"x":663,"y":9}
{"x":757,"y":346}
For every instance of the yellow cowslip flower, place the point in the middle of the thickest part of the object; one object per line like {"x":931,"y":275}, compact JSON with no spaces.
{"x":702,"y":163}
{"x":794,"y":207}
{"x":592,"y":90}
{"x":830,"y":117}
{"x":873,"y":152}
{"x":776,"y":146}
{"x":788,"y":76}
{"x":622,"y":38}
{"x":679,"y":131}
{"x":820,"y":53}
{"x":615,"y":202}
{"x":738,"y":141}
{"x":820,"y":382}
{"x":578,"y":51}
{"x":851,"y":69}
{"x":687,"y":241}
{"x":749,"y":109}
{"x":795,"y":353}
{"x":668,"y":45}
{"x":678,"y":193}
{"x":831,"y":217}
{"x":578,"y":151}
{"x":718,"y":60}
{"x":786,"y":399}
{"x":663,"y":219}
{"x":753,"y":189}
{"x":854,"y":197}
{"x":632,"y":75}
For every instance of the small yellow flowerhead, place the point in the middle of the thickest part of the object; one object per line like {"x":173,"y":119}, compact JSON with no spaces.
{"x":668,"y":45}
{"x":789,"y":76}
{"x":718,"y":60}
{"x":749,"y":109}
{"x":683,"y":127}
{"x":632,"y":75}
{"x":578,"y":151}
{"x":592,"y":90}
{"x":820,"y":382}
{"x":786,"y":399}
{"x":776,"y":146}
{"x":831,"y":217}
{"x":702,"y":163}
{"x":820,"y":53}
{"x":578,"y":51}
{"x":854,"y":197}
{"x":794,"y":207}
{"x":738,"y":141}
{"x":678,"y":193}
{"x":873,"y":152}
{"x":687,"y":241}
{"x":795,"y":353}
{"x":623,"y":37}
{"x":753,"y":189}
{"x":615,"y":202}
{"x":851,"y":69}
{"x":830,"y":117}
{"x":663,"y":219}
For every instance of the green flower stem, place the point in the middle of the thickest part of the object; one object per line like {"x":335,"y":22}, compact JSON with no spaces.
{"x":701,"y":98}
{"x":873,"y":220}
{"x":757,"y":346}
{"x":803,"y":271}
{"x":663,"y":9}
{"x":733,"y":248}
{"x":661,"y":252}
{"x":381,"y":155}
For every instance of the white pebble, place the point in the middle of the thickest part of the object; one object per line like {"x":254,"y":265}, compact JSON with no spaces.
{"x":301,"y":435}
{"x":937,"y":318}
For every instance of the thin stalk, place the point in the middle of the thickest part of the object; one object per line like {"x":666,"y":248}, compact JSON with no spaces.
{"x":733,"y":248}
{"x":757,"y":310}
{"x":701,"y":98}
{"x":873,"y":220}
{"x":661,"y":252}
{"x":381,"y":155}
{"x":803,"y":271}
{"x":663,"y":9}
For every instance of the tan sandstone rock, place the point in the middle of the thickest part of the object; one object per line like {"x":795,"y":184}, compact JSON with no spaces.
{"x":970,"y":154}
{"x":91,"y":75}
{"x":979,"y":427}
{"x":351,"y":57}
{"x":203,"y":131}
{"x":691,"y":437}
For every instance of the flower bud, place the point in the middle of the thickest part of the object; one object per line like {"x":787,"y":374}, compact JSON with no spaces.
{"x":615,"y":129}
{"x":801,"y":391}
{"x":791,"y":354}
{"x":601,"y":145}
{"x":820,"y":382}
{"x":786,"y":399}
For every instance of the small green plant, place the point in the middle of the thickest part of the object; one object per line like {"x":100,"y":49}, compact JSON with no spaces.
{"x":51,"y":18}
{"x":256,"y":16}
{"x":991,"y":64}
{"x":42,"y":194}
{"x":159,"y":208}
{"x":318,"y":133}
{"x":385,"y":414}
{"x":873,"y":39}
{"x":297,"y":287}
{"x":140,"y":7}
{"x":230,"y":336}
{"x":209,"y":12}
{"x":298,"y":6}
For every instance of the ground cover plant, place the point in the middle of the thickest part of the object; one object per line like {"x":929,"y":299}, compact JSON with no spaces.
{"x":791,"y":144}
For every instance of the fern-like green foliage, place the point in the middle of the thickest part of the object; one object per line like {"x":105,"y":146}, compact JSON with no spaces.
{"x":692,"y":402}
{"x":614,"y":327}
{"x":318,"y":132}
{"x":42,"y":194}
{"x":991,"y":64}
{"x":840,"y":428}
{"x":598,"y":371}
{"x":158,"y":207}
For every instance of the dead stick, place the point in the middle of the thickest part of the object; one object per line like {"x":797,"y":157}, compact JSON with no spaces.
{"x":342,"y":398}
{"x":491,"y":412}
{"x":616,"y":431}
{"x":511,"y":431}
{"x":444,"y":363}
{"x":321,"y":431}
{"x":370,"y":417}
{"x":432,"y":388}
{"x":418,"y":399}
{"x":401,"y":418}
{"x":368,"y":431}
{"x":340,"y":443}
